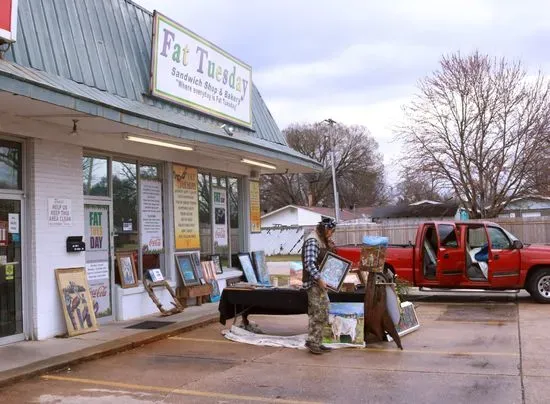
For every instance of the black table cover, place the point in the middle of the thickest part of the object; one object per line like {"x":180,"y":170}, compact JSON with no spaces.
{"x":277,"y":301}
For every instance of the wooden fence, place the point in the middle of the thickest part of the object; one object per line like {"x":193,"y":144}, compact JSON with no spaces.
{"x":532,"y":230}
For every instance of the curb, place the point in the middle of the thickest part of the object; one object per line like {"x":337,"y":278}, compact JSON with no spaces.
{"x":102,"y":350}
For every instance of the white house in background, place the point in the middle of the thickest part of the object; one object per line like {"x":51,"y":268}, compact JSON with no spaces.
{"x":293,"y":215}
{"x":529,"y":206}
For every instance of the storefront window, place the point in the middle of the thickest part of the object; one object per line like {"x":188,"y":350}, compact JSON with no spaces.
{"x":125,"y":208}
{"x":95,"y":176}
{"x":10,"y":165}
{"x":234,"y":214}
{"x":205,"y":214}
{"x":151,"y":217}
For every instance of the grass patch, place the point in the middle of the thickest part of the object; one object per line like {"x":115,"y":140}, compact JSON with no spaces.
{"x":283,"y":258}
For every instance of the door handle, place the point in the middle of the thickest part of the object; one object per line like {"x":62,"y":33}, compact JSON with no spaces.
{"x":496,"y":256}
{"x":445,"y":255}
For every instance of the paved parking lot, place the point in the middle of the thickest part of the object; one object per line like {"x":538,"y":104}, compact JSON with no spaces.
{"x":468,"y":350}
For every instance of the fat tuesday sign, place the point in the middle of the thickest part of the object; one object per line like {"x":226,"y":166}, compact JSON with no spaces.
{"x":192,"y":71}
{"x":8,"y":20}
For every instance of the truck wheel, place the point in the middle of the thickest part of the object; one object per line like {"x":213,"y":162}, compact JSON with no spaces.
{"x":539,"y":286}
{"x":386,"y":276}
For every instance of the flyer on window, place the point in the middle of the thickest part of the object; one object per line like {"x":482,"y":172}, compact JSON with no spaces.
{"x":219,"y":204}
{"x":186,"y":207}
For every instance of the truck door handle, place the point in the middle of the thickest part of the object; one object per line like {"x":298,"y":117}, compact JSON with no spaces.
{"x":497,"y":256}
{"x":445,"y":255}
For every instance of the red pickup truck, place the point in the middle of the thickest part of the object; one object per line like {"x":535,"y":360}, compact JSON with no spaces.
{"x":467,"y":255}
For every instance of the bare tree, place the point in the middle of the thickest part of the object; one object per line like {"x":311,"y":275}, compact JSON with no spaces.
{"x":359,"y":169}
{"x":479,"y":126}
{"x":417,"y":186}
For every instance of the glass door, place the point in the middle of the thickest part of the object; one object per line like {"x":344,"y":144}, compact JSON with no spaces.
{"x":98,"y":258}
{"x":11,"y":286}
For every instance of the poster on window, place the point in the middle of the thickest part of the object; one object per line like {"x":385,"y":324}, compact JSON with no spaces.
{"x":151,"y":216}
{"x":97,"y":228}
{"x":100,"y":289}
{"x":219,"y":204}
{"x":255,"y":214}
{"x":186,"y":207}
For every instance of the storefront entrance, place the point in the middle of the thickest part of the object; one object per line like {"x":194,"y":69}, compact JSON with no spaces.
{"x":99,"y":258}
{"x":11,"y":285}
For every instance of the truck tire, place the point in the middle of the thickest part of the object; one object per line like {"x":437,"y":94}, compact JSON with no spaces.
{"x":386,"y":276}
{"x":539,"y":286}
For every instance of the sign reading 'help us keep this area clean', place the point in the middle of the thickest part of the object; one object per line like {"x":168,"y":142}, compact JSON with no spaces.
{"x":191,"y":71}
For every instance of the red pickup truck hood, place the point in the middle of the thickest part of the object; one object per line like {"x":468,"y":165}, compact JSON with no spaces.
{"x":537,"y":250}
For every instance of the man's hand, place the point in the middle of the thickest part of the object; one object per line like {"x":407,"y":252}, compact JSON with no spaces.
{"x":322,"y":284}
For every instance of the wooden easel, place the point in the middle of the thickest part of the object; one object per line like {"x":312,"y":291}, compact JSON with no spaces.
{"x":377,"y":319}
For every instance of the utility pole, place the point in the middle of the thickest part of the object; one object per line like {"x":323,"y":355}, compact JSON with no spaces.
{"x":331,"y":123}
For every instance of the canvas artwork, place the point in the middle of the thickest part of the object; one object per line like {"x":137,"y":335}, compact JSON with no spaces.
{"x":78,"y":306}
{"x":261,"y":267}
{"x":188,"y":271}
{"x":155,"y":275}
{"x":334,"y":270}
{"x":127,"y":270}
{"x":248,"y":269}
{"x":346,"y":325}
{"x":217,"y":263}
{"x":408,"y":321}
{"x":373,"y":258}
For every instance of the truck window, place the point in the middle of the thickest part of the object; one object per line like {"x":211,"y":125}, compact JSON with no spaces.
{"x":447,"y":235}
{"x":499,"y":240}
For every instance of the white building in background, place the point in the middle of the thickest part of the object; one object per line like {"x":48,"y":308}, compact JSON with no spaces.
{"x":294,"y":215}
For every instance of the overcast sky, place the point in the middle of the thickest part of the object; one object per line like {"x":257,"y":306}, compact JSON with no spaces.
{"x":358,"y":61}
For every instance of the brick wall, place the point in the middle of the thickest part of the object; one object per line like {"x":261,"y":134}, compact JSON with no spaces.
{"x":55,"y":172}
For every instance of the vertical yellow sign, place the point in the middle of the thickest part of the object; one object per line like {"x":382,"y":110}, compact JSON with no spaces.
{"x":255,"y":213}
{"x":186,"y":207}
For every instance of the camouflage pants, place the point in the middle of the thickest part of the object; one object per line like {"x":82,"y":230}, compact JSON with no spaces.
{"x":317,"y":310}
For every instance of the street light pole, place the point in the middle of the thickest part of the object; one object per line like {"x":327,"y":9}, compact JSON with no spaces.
{"x":331,"y":122}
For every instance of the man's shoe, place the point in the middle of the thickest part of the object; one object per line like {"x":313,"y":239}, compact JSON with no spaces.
{"x":325,"y":348}
{"x":314,"y":349}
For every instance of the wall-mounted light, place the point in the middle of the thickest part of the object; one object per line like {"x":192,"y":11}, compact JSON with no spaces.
{"x":230,"y":130}
{"x":74,"y":132}
{"x":157,"y":143}
{"x":259,"y":164}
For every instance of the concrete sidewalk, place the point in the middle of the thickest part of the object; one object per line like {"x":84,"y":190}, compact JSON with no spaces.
{"x":26,"y":359}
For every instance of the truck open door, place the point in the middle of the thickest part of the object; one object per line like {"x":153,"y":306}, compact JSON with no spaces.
{"x":451,"y":263}
{"x":504,"y":259}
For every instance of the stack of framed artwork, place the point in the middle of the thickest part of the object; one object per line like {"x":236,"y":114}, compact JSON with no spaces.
{"x":245,"y":264}
{"x":191,"y":274}
{"x":78,"y":307}
{"x":209,"y":271}
{"x":261,"y":267}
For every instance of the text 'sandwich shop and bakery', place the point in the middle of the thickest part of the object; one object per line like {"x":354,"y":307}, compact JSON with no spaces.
{"x":126,"y":142}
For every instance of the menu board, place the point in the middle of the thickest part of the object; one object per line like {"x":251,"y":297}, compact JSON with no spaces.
{"x":255,"y":213}
{"x":151,"y":215}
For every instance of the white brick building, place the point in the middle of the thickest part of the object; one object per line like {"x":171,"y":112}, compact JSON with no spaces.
{"x":75,"y":110}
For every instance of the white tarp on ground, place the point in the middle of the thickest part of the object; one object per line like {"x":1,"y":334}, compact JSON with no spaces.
{"x":238,"y":334}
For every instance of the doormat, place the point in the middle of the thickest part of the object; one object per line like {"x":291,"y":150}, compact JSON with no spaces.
{"x":480,"y":313}
{"x":150,"y":325}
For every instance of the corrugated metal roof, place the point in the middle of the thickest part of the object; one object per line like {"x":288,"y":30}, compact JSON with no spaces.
{"x":101,"y":50}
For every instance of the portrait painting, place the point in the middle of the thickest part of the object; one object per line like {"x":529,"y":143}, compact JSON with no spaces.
{"x":76,"y":301}
{"x":127,"y":270}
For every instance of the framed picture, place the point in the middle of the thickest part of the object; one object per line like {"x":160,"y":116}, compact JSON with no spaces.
{"x":261,"y":266}
{"x":247,"y":267}
{"x":186,"y":267}
{"x":408,"y":322}
{"x":127,"y":270}
{"x":217,"y":263}
{"x":155,"y":275}
{"x":77,"y":303}
{"x":334,"y":270}
{"x":208,"y":270}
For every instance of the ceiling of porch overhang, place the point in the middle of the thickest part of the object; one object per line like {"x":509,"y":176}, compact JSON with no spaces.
{"x":25,"y":109}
